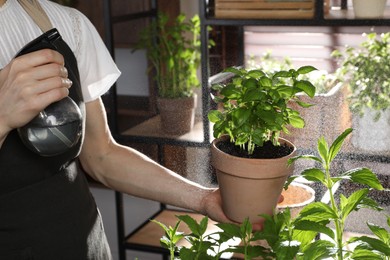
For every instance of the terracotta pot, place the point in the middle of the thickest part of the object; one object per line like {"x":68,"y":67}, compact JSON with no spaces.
{"x":369,"y":9}
{"x":177,"y":115}
{"x":296,"y":197}
{"x":249,"y":187}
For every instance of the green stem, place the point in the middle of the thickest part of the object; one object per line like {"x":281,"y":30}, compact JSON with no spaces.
{"x":172,"y":252}
{"x":247,"y":257}
{"x":198,"y":250}
{"x":339,"y":225}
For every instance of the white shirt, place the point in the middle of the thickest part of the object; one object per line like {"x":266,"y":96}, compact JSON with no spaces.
{"x":98,"y":71}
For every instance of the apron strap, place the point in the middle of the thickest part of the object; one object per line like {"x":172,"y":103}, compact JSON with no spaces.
{"x":35,"y":10}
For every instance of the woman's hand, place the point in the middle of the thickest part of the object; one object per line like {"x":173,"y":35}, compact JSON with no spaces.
{"x":28,"y":84}
{"x":212,"y":207}
{"x":212,"y":204}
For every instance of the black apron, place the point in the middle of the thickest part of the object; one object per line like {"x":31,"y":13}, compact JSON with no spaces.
{"x":46,"y":208}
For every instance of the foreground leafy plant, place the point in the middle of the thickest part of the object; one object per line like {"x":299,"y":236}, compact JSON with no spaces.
{"x":316,"y":216}
{"x":171,"y":238}
{"x":373,"y":248}
{"x":309,"y":235}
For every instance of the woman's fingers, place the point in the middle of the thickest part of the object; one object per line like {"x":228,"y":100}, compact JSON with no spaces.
{"x":47,"y":71}
{"x":29,"y":83}
{"x":39,"y":58}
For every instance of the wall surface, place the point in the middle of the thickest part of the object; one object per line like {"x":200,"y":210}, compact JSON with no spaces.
{"x":133,"y":80}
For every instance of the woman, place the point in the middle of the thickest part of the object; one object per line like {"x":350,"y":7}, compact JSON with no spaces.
{"x":46,"y":209}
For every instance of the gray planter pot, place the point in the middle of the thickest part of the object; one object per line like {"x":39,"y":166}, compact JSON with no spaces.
{"x":369,"y":8}
{"x":369,"y":135}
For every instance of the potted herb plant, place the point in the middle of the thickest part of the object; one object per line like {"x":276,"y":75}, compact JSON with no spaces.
{"x":247,"y":153}
{"x":366,"y":68}
{"x":173,"y":49}
{"x":307,"y":236}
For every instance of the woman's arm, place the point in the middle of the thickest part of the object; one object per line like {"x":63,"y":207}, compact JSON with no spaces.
{"x":126,"y":170}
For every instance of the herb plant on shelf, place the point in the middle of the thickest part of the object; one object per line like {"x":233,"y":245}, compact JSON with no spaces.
{"x":366,"y":68}
{"x":249,"y":156}
{"x":173,"y":50}
{"x":306,"y":237}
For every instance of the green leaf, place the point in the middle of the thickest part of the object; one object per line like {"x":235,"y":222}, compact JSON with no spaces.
{"x":287,"y":250}
{"x":240,"y":116}
{"x":297,"y":121}
{"x":303,"y":104}
{"x":306,"y":69}
{"x":192,"y":224}
{"x":256,"y":251}
{"x":306,"y":86}
{"x":255,"y":74}
{"x":350,"y":204}
{"x":380,"y":232}
{"x":186,"y":253}
{"x":320,"y":249}
{"x":214,"y":116}
{"x":203,"y":225}
{"x":246,"y":227}
{"x":388,"y":221}
{"x":272,"y":227}
{"x":336,"y":145}
{"x":265,"y":81}
{"x":250,"y":83}
{"x":165,"y":242}
{"x":162,"y":225}
{"x":306,"y":156}
{"x":267,"y":116}
{"x":231,"y":92}
{"x":290,"y":179}
{"x":232,"y":230}
{"x":364,"y":176}
{"x":318,"y":211}
{"x":365,"y":254}
{"x":314,"y":174}
{"x":282,"y":74}
{"x":304,"y":236}
{"x":233,"y":70}
{"x":323,"y":149}
{"x":177,"y":237}
{"x":370,"y":204}
{"x":172,"y":236}
{"x":253,"y":95}
{"x":201,"y":248}
{"x":374,"y":244}
{"x":318,"y":227}
{"x":285,"y":91}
